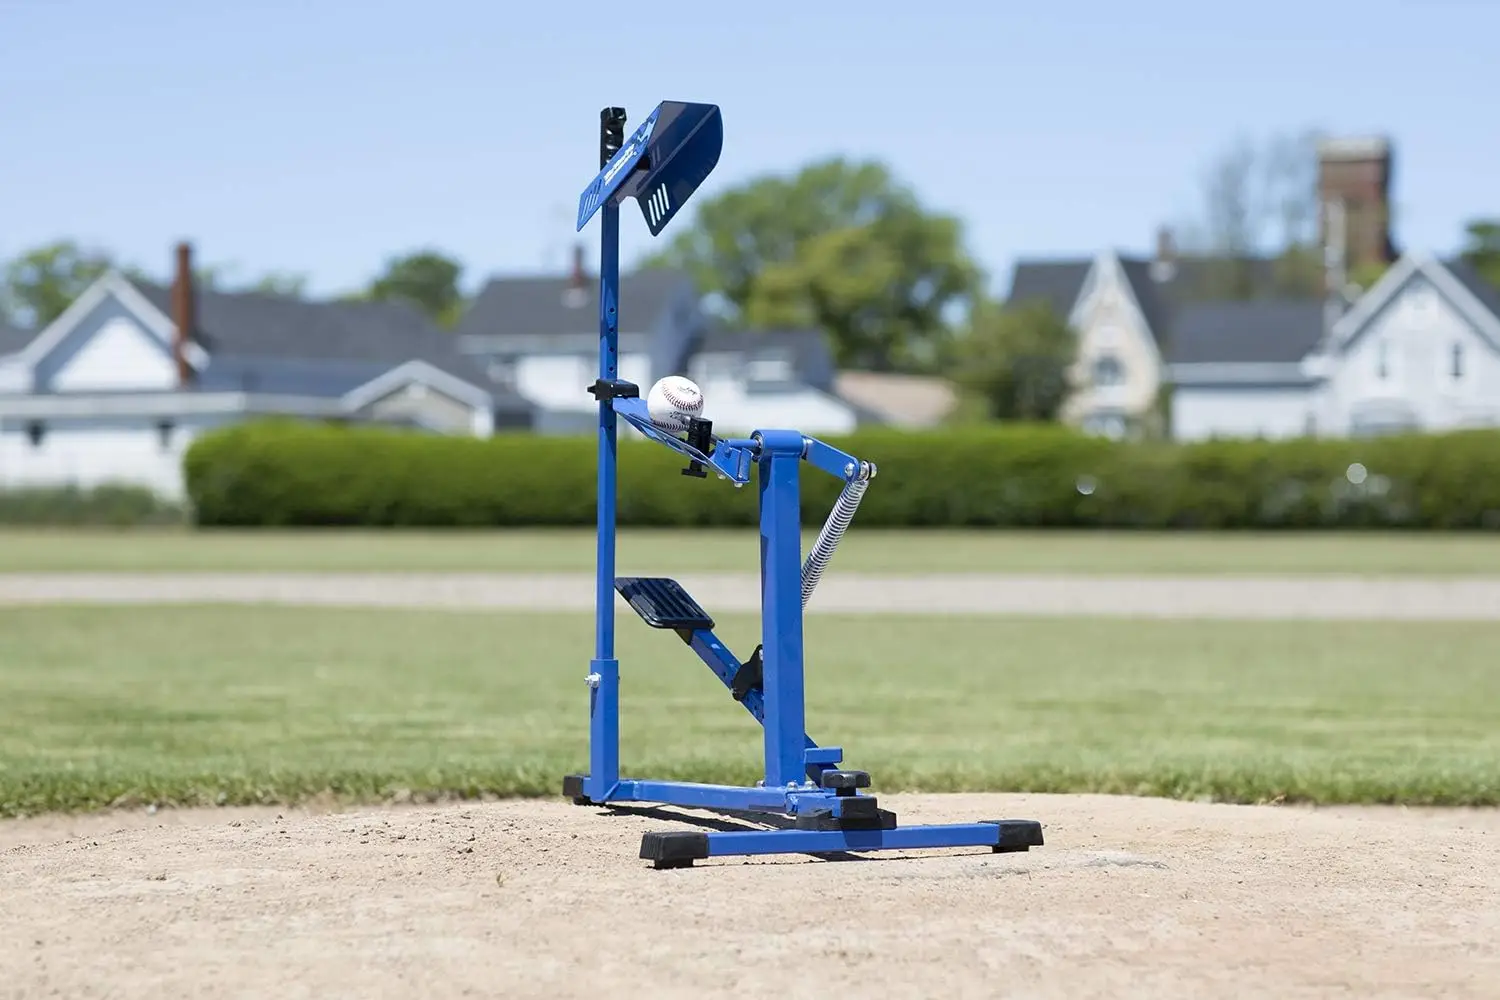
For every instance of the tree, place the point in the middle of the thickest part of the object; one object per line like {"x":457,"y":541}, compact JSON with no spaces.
{"x":1482,"y":248}
{"x":840,"y":246}
{"x":216,"y":277}
{"x":41,"y":283}
{"x":1255,"y":198}
{"x":427,"y":279}
{"x":1016,"y":358}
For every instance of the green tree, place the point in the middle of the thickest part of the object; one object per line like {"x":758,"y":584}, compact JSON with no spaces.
{"x":1259,"y":196}
{"x":42,"y":282}
{"x":1016,"y":359}
{"x":840,"y":246}
{"x":1482,"y":248}
{"x":427,"y":279}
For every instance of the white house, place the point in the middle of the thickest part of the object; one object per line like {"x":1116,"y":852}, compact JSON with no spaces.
{"x":539,"y":337}
{"x":115,"y":388}
{"x":1420,"y":350}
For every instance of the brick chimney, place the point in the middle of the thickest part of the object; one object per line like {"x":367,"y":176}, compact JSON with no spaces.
{"x":1356,"y":173}
{"x":1164,"y":264}
{"x":577,"y":292}
{"x":184,"y":313}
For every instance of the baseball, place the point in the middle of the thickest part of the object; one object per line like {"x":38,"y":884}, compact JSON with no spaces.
{"x":672,"y":401}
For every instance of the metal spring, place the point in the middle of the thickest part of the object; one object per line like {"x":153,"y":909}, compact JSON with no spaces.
{"x":833,"y":530}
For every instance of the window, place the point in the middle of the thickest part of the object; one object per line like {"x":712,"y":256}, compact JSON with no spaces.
{"x":1108,"y":370}
{"x":36,"y":431}
{"x":164,"y":435}
{"x":775,"y":367}
{"x":1456,"y":362}
{"x":1382,"y":361}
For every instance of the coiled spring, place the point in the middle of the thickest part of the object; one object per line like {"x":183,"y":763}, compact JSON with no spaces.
{"x":833,"y":530}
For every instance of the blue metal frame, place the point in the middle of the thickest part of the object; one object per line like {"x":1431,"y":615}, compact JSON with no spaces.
{"x":674,"y":150}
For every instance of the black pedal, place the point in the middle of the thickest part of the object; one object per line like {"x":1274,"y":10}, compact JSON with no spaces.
{"x":662,"y":603}
{"x":700,"y":435}
{"x":749,"y":677}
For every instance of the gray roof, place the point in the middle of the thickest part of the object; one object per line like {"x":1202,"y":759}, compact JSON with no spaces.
{"x":1486,"y":293}
{"x":279,"y":343}
{"x":1255,"y":332}
{"x":1059,"y":283}
{"x":1185,"y":296}
{"x":543,"y":307}
{"x":1055,"y":282}
{"x":12,"y":339}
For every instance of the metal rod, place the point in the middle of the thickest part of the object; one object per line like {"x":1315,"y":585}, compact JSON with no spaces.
{"x":604,"y":675}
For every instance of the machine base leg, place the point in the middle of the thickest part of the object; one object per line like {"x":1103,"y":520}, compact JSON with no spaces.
{"x":679,"y":849}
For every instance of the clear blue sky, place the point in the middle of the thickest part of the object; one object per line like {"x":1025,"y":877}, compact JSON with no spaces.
{"x":321,"y":136}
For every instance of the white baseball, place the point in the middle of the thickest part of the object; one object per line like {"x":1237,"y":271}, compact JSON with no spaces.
{"x":672,"y":401}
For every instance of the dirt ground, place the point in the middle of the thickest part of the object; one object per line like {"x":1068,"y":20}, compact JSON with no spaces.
{"x":1129,"y":898}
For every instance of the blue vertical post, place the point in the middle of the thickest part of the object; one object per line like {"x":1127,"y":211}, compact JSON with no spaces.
{"x":778,"y":469}
{"x":604,"y":701}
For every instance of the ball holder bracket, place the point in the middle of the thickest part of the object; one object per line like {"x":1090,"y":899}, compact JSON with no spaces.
{"x":824,"y":808}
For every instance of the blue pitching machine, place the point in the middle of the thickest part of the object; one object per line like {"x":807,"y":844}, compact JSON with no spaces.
{"x":809,"y":804}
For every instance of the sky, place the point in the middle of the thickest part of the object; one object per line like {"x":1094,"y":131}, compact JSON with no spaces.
{"x":322,"y":137}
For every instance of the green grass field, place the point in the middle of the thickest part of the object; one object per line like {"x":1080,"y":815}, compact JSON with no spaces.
{"x":688,"y":551}
{"x":243,"y":704}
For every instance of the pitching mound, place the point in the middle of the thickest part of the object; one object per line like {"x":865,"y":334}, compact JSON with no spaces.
{"x":1130,"y":897}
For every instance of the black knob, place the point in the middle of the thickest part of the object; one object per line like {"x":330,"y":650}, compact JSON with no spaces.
{"x":611,"y":133}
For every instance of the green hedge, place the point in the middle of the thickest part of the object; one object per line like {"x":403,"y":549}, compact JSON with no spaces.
{"x":104,"y":506}
{"x":283,"y":474}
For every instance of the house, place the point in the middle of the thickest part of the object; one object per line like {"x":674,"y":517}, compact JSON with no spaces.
{"x":1120,"y":312}
{"x":117,"y":386}
{"x":1238,"y":369}
{"x":539,"y":337}
{"x":1414,"y":351}
{"x":1419,"y":351}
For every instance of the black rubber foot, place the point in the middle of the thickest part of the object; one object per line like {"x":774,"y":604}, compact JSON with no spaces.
{"x":674,"y":850}
{"x":1016,"y":835}
{"x":573,"y":789}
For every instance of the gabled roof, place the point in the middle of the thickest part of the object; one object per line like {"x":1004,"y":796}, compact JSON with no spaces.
{"x":1190,"y":279}
{"x":12,"y":339}
{"x":1253,"y":332}
{"x":553,"y":306}
{"x":1487,"y":294}
{"x":278,"y":343}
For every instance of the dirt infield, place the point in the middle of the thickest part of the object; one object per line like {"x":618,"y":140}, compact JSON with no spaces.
{"x":1320,"y":597}
{"x":1147,"y":898}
